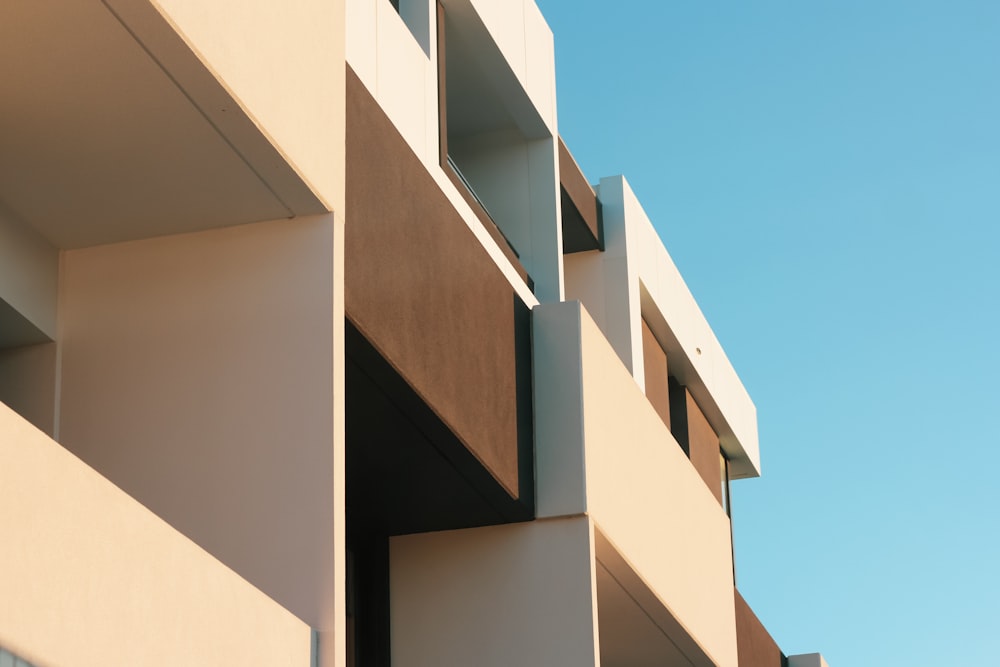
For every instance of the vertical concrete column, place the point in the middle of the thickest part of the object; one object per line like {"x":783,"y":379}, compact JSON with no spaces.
{"x":546,"y":228}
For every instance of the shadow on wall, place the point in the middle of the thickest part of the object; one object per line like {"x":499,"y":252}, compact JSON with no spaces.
{"x":8,"y":659}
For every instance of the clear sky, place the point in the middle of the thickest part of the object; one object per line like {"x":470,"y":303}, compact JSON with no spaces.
{"x":826,"y":175}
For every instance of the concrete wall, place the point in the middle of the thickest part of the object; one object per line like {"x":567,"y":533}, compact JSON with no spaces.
{"x":669,"y":527}
{"x":89,"y":577}
{"x":199,"y":374}
{"x":29,"y":278}
{"x":518,"y":594}
{"x":602,"y":282}
{"x":807,"y":660}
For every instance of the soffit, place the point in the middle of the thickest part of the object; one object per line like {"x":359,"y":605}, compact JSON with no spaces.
{"x":628,"y":635}
{"x":100,"y":142}
{"x":484,"y":94}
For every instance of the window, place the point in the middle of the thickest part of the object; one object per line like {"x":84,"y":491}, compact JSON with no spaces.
{"x":724,"y":476}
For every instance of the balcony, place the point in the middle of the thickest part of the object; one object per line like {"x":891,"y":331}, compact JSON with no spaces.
{"x":662,"y":542}
{"x":88,"y":576}
{"x":113,"y":128}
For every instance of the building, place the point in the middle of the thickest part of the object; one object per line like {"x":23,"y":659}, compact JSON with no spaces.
{"x":318,"y":348}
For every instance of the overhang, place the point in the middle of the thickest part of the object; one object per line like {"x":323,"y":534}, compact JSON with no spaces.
{"x":112,"y":129}
{"x":581,"y":209}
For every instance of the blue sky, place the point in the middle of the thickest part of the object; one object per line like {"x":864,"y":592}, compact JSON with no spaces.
{"x":826,"y":175}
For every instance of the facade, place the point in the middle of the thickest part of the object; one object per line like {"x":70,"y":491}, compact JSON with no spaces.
{"x":318,"y":348}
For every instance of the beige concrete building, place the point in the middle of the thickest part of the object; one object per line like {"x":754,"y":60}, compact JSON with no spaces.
{"x":318,"y":348}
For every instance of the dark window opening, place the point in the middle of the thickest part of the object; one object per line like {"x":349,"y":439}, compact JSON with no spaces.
{"x":724,"y":474}
{"x":482,"y":147}
{"x":367,"y":594}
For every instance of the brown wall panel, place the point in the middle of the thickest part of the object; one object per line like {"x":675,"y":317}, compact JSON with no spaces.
{"x":425,"y":293}
{"x":754,"y":644}
{"x":655,"y":371}
{"x":703,"y":446}
{"x":584,"y":218}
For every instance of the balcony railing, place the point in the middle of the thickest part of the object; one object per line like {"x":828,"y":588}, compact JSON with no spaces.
{"x":482,"y":212}
{"x":601,"y":449}
{"x":88,"y":576}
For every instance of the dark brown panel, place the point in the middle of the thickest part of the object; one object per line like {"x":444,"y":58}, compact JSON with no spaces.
{"x":703,"y":448}
{"x":424,"y":292}
{"x":655,"y":368}
{"x":695,"y":436}
{"x":581,"y":211}
{"x":407,"y":471}
{"x":754,"y":645}
{"x":678,"y":413}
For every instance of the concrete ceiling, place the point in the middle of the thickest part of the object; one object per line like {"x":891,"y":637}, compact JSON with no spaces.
{"x":628,"y":636}
{"x":100,"y":142}
{"x":484,"y":94}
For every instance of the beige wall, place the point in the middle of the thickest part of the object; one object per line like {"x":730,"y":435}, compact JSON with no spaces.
{"x":517,"y":594}
{"x":88,"y":577}
{"x":668,"y":527}
{"x":600,"y":280}
{"x":198,"y":374}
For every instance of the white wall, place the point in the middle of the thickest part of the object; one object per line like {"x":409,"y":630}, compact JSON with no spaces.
{"x":518,"y":594}
{"x":199,"y":374}
{"x":89,"y":577}
{"x":602,"y":282}
{"x":392,"y":63}
{"x":807,"y":660}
